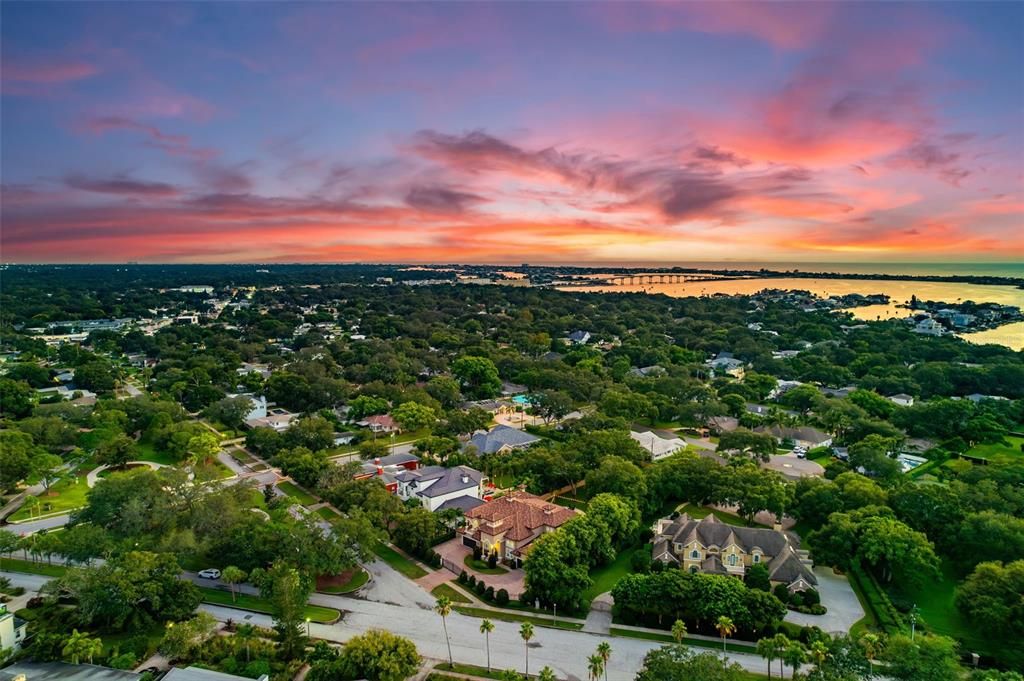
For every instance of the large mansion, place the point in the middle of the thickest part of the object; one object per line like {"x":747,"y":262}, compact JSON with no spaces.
{"x":510,"y":523}
{"x":711,"y":546}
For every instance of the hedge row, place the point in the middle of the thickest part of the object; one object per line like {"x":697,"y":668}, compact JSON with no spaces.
{"x":499,"y":597}
{"x":888,"y":618}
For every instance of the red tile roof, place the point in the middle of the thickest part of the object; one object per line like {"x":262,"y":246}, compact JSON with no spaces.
{"x":520,"y":516}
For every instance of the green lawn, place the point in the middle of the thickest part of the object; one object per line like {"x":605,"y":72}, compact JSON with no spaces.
{"x":481,"y":566}
{"x":65,"y":495}
{"x":154,"y":634}
{"x":32,"y":568}
{"x":398,"y":561}
{"x":505,"y":616}
{"x":939,"y":613}
{"x":695,"y":642}
{"x":607,"y":576}
{"x":358,"y":578}
{"x":148,"y":452}
{"x":1000,"y":452}
{"x":295,"y":492}
{"x":327,"y":513}
{"x":256,"y":604}
{"x":570,"y":502}
{"x":452,"y":593}
{"x":727,"y":518}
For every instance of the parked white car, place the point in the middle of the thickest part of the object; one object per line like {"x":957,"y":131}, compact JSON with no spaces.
{"x":210,"y":573}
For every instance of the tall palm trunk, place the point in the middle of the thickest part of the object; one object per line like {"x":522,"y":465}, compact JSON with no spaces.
{"x":444,"y":623}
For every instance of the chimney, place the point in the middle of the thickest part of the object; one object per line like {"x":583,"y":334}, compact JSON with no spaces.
{"x":380,"y":470}
{"x":376,"y":461}
{"x":465,"y":479}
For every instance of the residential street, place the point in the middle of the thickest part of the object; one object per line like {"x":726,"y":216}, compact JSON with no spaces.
{"x":564,"y":651}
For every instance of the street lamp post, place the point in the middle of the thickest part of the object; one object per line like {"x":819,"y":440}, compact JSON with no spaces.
{"x":307,"y":627}
{"x":913,"y":621}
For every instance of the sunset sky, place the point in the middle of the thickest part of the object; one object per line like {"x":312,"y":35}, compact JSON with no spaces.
{"x":533,"y":132}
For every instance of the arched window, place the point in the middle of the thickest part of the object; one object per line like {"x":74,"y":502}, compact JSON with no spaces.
{"x":757,"y":557}
{"x":695,"y":554}
{"x":693,"y":569}
{"x":732,"y":559}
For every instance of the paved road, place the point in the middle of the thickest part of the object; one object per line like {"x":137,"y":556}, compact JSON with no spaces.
{"x":564,"y":651}
{"x":33,"y":526}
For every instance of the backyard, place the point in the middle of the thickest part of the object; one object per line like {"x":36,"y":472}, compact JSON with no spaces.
{"x":297,"y":493}
{"x":999,"y":452}
{"x":695,"y":511}
{"x":936,"y":608}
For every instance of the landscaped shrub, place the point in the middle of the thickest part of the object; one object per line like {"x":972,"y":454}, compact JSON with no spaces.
{"x":492,"y":559}
{"x":796,"y":599}
{"x":501,"y":598}
{"x":781,"y":592}
{"x":489,"y":593}
{"x":472,"y":580}
{"x":477,"y":552}
{"x":463,"y":577}
{"x":526,"y":598}
{"x":812,"y":597}
{"x":640,"y":562}
{"x":480,"y":588}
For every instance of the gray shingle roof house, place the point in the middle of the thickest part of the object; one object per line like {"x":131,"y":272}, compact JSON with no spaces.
{"x":436,"y":487}
{"x":502,"y":439}
{"x":709,"y":545}
{"x":579,"y":337}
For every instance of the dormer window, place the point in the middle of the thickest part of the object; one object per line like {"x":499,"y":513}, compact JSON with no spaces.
{"x":695,"y":554}
{"x":757,"y":557}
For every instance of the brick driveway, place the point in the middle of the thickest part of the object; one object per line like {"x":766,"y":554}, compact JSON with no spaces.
{"x":453,"y":551}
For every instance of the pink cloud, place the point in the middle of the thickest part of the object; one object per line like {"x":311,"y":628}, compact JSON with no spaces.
{"x":48,"y":73}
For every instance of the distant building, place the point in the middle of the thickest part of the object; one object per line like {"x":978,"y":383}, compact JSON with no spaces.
{"x":805,"y":436}
{"x":579,"y":337}
{"x":902,"y":399}
{"x":257,"y":405}
{"x":929,"y":327}
{"x":502,"y":439}
{"x":380,"y":423}
{"x":659,"y":447}
{"x":277,"y":418}
{"x":388,"y":468}
{"x":725,"y":363}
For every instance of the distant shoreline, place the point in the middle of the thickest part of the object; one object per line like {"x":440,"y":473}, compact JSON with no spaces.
{"x":574,"y":275}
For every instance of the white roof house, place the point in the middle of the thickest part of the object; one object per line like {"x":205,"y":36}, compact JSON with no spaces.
{"x":658,"y":446}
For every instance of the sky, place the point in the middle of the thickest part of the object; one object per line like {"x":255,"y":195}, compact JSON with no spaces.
{"x":540,"y":132}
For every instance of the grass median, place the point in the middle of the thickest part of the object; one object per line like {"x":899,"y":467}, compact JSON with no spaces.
{"x":32,"y":567}
{"x":504,"y":616}
{"x":696,"y":642}
{"x":315,"y":613}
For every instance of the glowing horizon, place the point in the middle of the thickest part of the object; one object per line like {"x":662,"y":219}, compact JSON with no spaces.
{"x":548,"y":133}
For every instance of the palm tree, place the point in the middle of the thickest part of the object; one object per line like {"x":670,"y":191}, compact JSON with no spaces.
{"x":781,"y":642}
{"x":486,"y":627}
{"x":526,"y":632}
{"x":246,"y":632}
{"x":595,"y":666}
{"x":79,"y":645}
{"x":726,"y":628}
{"x":679,"y":631}
{"x":546,"y":675}
{"x":444,"y":608}
{"x":604,"y":650}
{"x":818,"y":653}
{"x":232,"y":576}
{"x":795,"y":655}
{"x":768,"y":649}
{"x":872,"y":644}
